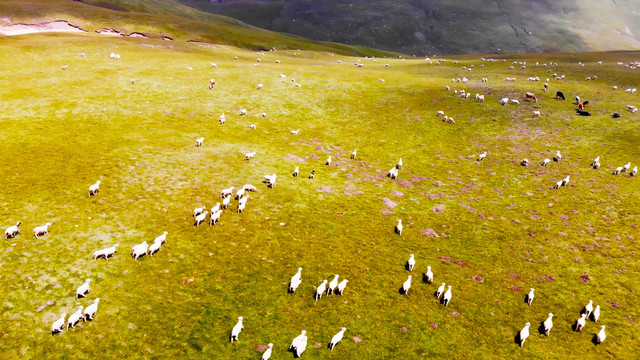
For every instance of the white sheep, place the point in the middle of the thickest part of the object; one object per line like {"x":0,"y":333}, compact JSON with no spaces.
{"x":295,"y":132}
{"x":161,"y":239}
{"x":634,"y":171}
{"x":447,"y":296}
{"x":617,"y":170}
{"x":336,"y":338}
{"x":440,"y":113}
{"x":328,"y":162}
{"x":252,"y":126}
{"x":399,"y":227}
{"x":241,"y":206}
{"x":399,"y":164}
{"x":515,"y":101}
{"x":65,"y":67}
{"x":236,"y":330}
{"x":267,"y":354}
{"x":105,"y":253}
{"x":558,"y":185}
{"x":296,"y":171}
{"x":504,"y":101}
{"x":601,"y":335}
{"x":530,"y":296}
{"x":565,"y":181}
{"x":83,"y":289}
{"x":226,"y":201}
{"x":272,"y":181}
{"x":595,"y":161}
{"x":226,"y":192}
{"x":295,"y":281}
{"x":353,"y":154}
{"x":428,"y":276}
{"x":580,"y":322}
{"x":250,"y":155}
{"x":12,"y":231}
{"x":393,"y":172}
{"x":214,"y":65}
{"x":482,"y":156}
{"x":90,"y":311}
{"x":312,"y":175}
{"x":94,"y":189}
{"x":524,"y":334}
{"x":557,"y":157}
{"x":299,"y":344}
{"x":626,"y":167}
{"x":222,"y":119}
{"x":141,"y":249}
{"x":58,"y":325}
{"x":588,"y":309}
{"x":240,"y":193}
{"x":333,"y":284}
{"x":154,"y":248}
{"x":199,"y":210}
{"x":260,"y":85}
{"x":199,"y":141}
{"x":74,"y":318}
{"x":342,"y":286}
{"x":406,"y":285}
{"x":200,"y":218}
{"x":595,"y":315}
{"x":548,"y":324}
{"x":215,"y":217}
{"x":411,"y":263}
{"x":536,"y":113}
{"x":525,"y":162}
{"x":545,"y":162}
{"x":320,"y":290}
{"x":249,"y":187}
{"x":481,"y":98}
{"x":243,"y":112}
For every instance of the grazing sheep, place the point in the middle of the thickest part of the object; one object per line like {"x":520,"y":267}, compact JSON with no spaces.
{"x":328,"y":162}
{"x":312,"y":175}
{"x":295,"y":281}
{"x":336,"y":338}
{"x":406,"y":286}
{"x":515,"y":101}
{"x":558,"y":185}
{"x":243,"y":112}
{"x":226,"y":192}
{"x":105,"y":253}
{"x":481,"y":98}
{"x":199,"y":141}
{"x":525,"y":162}
{"x":617,"y":170}
{"x":558,"y":156}
{"x":399,"y":227}
{"x":299,"y":344}
{"x":342,"y":286}
{"x":199,"y":210}
{"x":601,"y":335}
{"x":12,"y":231}
{"x":90,"y":311}
{"x":212,"y":82}
{"x":399,"y":164}
{"x":440,"y":291}
{"x":530,"y":297}
{"x":531,"y":96}
{"x":428,"y":276}
{"x":94,"y":189}
{"x":215,"y":217}
{"x":259,"y":85}
{"x":536,"y":113}
{"x":577,"y":100}
{"x":393,"y":173}
{"x":161,"y":239}
{"x":74,"y":318}
{"x":214,"y":65}
{"x":236,"y":330}
{"x":634,"y":171}
{"x":267,"y":354}
{"x":548,"y":324}
{"x":320,"y":290}
{"x":524,"y":334}
{"x":580,"y":322}
{"x":565,"y":181}
{"x":240,"y":193}
{"x":626,"y":167}
{"x":596,"y":165}
{"x":249,"y":156}
{"x":411,"y":262}
{"x":154,"y":248}
{"x":271,"y":182}
{"x":295,"y":132}
{"x":353,"y":154}
{"x":41,"y":230}
{"x":248,"y":187}
{"x":331,"y":289}
{"x":242,"y":204}
{"x":226,"y":201}
{"x":588,"y":309}
{"x":545,"y":162}
{"x":559,"y":95}
{"x":222,"y":119}
{"x":595,"y":315}
{"x":141,"y":249}
{"x":65,"y":67}
{"x":440,"y":113}
{"x":595,"y":161}
{"x":83,"y":289}
{"x":447,"y":296}
{"x":58,"y":325}
{"x":482,"y":156}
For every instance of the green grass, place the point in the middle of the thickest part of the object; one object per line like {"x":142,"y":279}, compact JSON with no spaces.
{"x":63,"y":130}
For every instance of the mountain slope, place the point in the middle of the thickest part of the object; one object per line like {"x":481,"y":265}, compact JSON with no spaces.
{"x":449,"y":27}
{"x":165,"y":17}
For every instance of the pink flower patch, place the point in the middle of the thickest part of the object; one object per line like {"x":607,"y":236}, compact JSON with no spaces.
{"x":261,"y":348}
{"x":614,"y":304}
{"x":550,"y":278}
{"x":397,"y":193}
{"x":386,"y":212}
{"x":478,"y":278}
{"x":389,"y":203}
{"x":438,"y":208}
{"x":356,"y":339}
{"x":584,"y":278}
{"x":429,"y":232}
{"x":516,"y":288}
{"x":403,"y":183}
{"x":444,"y":258}
{"x":460,"y":263}
{"x":404,"y":329}
{"x":318,"y":345}
{"x":433,"y":325}
{"x":453,"y":313}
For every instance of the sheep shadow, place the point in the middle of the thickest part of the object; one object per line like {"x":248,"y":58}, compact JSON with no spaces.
{"x":406,"y":265}
{"x":594,"y":339}
{"x":401,"y":291}
{"x":294,"y":352}
{"x":526,"y":299}
{"x":425,"y":279}
{"x":541,"y":329}
{"x":516,"y":339}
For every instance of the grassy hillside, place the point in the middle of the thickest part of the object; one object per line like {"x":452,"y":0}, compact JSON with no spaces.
{"x":447,"y":27}
{"x":165,"y":18}
{"x":499,"y":228}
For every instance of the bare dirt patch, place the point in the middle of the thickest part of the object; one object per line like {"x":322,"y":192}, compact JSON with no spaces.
{"x":52,"y":26}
